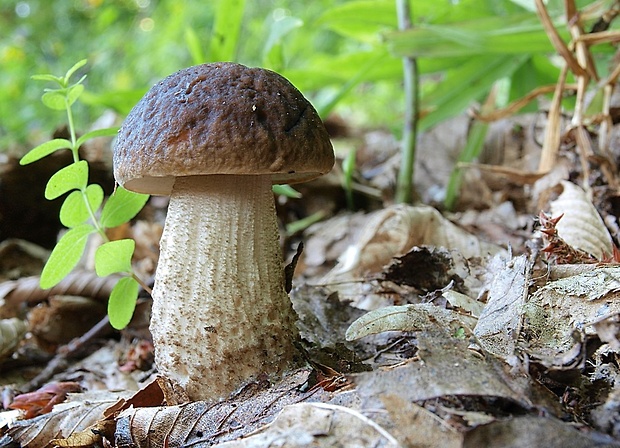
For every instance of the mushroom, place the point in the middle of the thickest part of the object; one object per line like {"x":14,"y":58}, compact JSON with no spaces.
{"x":215,"y":137}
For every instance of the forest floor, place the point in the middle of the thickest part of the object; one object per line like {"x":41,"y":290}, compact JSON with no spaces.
{"x":494,"y":325}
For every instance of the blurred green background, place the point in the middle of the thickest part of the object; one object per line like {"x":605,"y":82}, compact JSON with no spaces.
{"x":130,"y":44}
{"x":343,"y":54}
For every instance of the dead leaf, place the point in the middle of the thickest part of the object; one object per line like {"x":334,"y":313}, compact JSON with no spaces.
{"x":62,"y":318}
{"x":318,"y":424}
{"x":40,"y":431}
{"x":11,"y":333}
{"x":581,"y":225}
{"x":81,"y":439}
{"x":150,"y":395}
{"x":395,"y":230}
{"x":425,"y":317}
{"x":463,"y":303}
{"x":43,"y":400}
{"x":441,"y":372}
{"x":608,"y":330}
{"x":77,"y":283}
{"x":418,"y":427}
{"x":499,"y":324}
{"x":204,"y":424}
{"x":559,"y":308}
{"x":527,"y":432}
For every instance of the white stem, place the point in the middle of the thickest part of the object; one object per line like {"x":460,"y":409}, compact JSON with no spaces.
{"x":221,"y":316}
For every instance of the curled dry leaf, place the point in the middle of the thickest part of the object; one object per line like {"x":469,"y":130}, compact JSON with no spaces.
{"x":11,"y":333}
{"x":463,"y":302}
{"x":395,"y":230}
{"x":63,"y":318}
{"x":77,"y":283}
{"x":581,"y":226}
{"x":43,"y":400}
{"x":416,"y":317}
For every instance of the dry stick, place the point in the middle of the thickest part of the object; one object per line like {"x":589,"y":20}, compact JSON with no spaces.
{"x":557,"y":41}
{"x":607,"y":124}
{"x":602,"y":37}
{"x":404,"y":187}
{"x":518,"y":104}
{"x":582,"y":137}
{"x":60,"y":361}
{"x":584,"y":145}
{"x":584,"y":57}
{"x":551,"y":143}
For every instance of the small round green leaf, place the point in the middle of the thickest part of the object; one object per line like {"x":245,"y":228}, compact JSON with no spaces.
{"x":47,"y":77}
{"x":45,"y":149}
{"x":74,"y":93}
{"x":106,"y":132}
{"x":71,"y":177}
{"x":122,"y":206}
{"x":54,"y":99}
{"x":122,"y":302}
{"x":114,"y":257}
{"x":78,"y":65}
{"x":74,"y":212}
{"x":65,"y":255}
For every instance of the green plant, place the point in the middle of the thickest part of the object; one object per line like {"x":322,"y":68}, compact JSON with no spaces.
{"x":462,"y":49}
{"x":83,"y":211}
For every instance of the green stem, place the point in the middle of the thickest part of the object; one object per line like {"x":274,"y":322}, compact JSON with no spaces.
{"x":91,"y":212}
{"x":404,"y":182}
{"x":76,"y":158}
{"x":74,"y":147}
{"x":141,"y":282}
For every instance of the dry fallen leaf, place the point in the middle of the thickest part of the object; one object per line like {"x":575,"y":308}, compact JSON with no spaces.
{"x":529,"y":431}
{"x":499,"y":323}
{"x":559,"y":308}
{"x":40,"y":431}
{"x":318,"y":424}
{"x":14,"y":294}
{"x":202,"y":423}
{"x":11,"y":333}
{"x":43,"y":400}
{"x":394,"y":231}
{"x":447,"y":367}
{"x":416,"y":317}
{"x":581,"y":226}
{"x":418,"y":427}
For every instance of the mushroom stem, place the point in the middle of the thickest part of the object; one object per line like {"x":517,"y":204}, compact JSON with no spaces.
{"x":221,"y":316}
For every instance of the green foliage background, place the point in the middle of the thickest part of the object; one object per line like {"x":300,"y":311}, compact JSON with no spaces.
{"x":338,"y":52}
{"x":130,"y":44}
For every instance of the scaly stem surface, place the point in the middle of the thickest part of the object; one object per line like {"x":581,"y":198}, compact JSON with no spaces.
{"x":221,"y":316}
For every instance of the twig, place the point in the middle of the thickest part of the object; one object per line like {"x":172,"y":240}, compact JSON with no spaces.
{"x":71,"y":350}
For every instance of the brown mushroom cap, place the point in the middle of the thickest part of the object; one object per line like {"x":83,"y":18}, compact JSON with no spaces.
{"x":221,"y":118}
